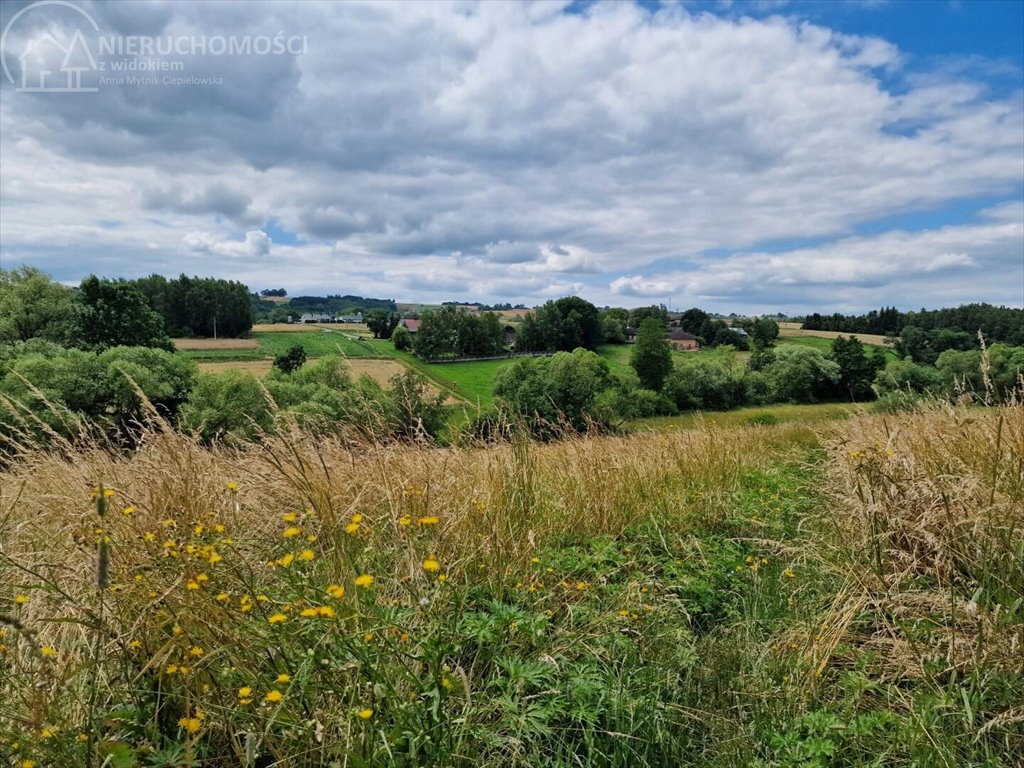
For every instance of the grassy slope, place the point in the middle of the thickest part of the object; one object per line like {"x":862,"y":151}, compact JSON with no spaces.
{"x":703,"y":598}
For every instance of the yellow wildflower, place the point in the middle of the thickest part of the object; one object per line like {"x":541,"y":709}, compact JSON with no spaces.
{"x":48,"y":652}
{"x":290,"y":517}
{"x":364,"y":581}
{"x":308,"y":613}
{"x":336,"y":591}
{"x":128,"y":511}
{"x":429,"y":520}
{"x":273,"y":696}
{"x":232,"y":486}
{"x":195,"y":650}
{"x":285,"y":560}
{"x":149,"y":536}
{"x":291,"y":532}
{"x":21,"y":599}
{"x":405,"y":520}
{"x":431,"y":564}
{"x":283,"y":678}
{"x":191,"y":724}
{"x":325,"y":612}
{"x":307,"y":555}
{"x":352,"y":528}
{"x":365,"y":714}
{"x":244,"y":692}
{"x":278,"y":618}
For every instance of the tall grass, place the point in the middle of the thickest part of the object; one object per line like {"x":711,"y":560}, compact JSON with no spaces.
{"x":746,"y":596}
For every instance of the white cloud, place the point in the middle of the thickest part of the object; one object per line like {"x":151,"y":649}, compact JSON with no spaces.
{"x":511,"y":151}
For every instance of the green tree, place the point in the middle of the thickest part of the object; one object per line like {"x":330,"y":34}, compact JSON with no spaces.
{"x":114,"y":313}
{"x":857,"y":369}
{"x":651,"y":356}
{"x":32,"y":306}
{"x":232,"y":403}
{"x":291,"y":360}
{"x":381,"y":323}
{"x":801,"y":375}
{"x":658,"y":312}
{"x":564,"y":388}
{"x":613,"y":328}
{"x":401,"y":338}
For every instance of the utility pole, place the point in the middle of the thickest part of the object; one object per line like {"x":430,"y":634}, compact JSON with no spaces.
{"x":214,"y":326}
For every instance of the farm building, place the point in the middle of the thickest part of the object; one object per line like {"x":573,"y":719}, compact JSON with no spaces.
{"x":316,"y":317}
{"x":412,"y":326}
{"x":680,"y":339}
{"x":630,"y":335}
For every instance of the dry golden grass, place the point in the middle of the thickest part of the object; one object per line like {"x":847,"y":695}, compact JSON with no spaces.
{"x":793,"y":330}
{"x":927,"y":524}
{"x":215,"y":343}
{"x":255,"y":367}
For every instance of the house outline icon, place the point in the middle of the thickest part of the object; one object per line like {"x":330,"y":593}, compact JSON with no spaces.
{"x":77,"y":58}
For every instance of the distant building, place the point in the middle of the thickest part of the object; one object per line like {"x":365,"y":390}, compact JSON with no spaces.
{"x":316,"y":317}
{"x":356,"y":318}
{"x":510,"y":336}
{"x":412,"y":326}
{"x":630,"y":335}
{"x":682,"y":340}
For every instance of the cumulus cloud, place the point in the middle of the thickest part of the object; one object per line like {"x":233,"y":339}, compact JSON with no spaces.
{"x":509,"y":151}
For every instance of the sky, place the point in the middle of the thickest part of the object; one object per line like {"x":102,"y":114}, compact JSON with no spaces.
{"x":755,"y":157}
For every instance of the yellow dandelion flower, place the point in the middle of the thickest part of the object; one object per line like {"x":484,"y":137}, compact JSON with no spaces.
{"x":336,"y":591}
{"x":308,"y":613}
{"x":442,"y":578}
{"x":108,"y":493}
{"x":196,"y":651}
{"x":21,"y":599}
{"x":27,"y":764}
{"x":129,"y":511}
{"x":364,"y":581}
{"x":214,"y":558}
{"x":352,"y":528}
{"x":290,"y":517}
{"x":405,"y":520}
{"x":192,"y":585}
{"x":365,"y":714}
{"x":149,"y":536}
{"x":357,"y":518}
{"x":273,"y":696}
{"x":191,"y":724}
{"x":789,"y":573}
{"x":307,"y":555}
{"x":48,"y":652}
{"x":311,"y":538}
{"x":283,"y":678}
{"x":429,"y":520}
{"x":277,"y":618}
{"x":135,"y":644}
{"x":244,"y":692}
{"x":171,"y":669}
{"x":199,"y":530}
{"x":48,"y":733}
{"x":285,"y":560}
{"x":219,"y":528}
{"x":325,"y":612}
{"x":535,"y":560}
{"x":262,"y":598}
{"x":232,"y":486}
{"x":431,"y":564}
{"x":291,"y":532}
